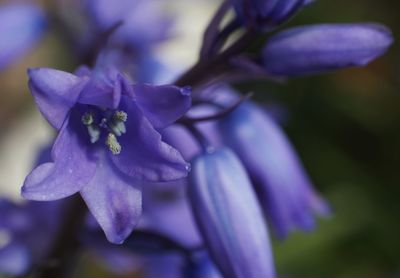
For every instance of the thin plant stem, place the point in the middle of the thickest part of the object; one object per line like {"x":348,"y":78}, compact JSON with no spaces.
{"x":216,"y":65}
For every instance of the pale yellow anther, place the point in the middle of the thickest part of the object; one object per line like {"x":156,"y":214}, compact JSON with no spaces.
{"x":113,"y":144}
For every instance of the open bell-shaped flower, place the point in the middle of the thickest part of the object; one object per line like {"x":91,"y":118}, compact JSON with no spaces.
{"x":108,"y":140}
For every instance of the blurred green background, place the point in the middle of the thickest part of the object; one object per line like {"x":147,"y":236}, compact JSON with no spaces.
{"x":346,"y":127}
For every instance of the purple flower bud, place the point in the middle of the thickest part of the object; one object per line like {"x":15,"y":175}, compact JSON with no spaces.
{"x":229,"y":217}
{"x":267,"y":13}
{"x":14,"y":259}
{"x":21,"y":27}
{"x":144,"y":22}
{"x":281,"y":183}
{"x":320,"y":48}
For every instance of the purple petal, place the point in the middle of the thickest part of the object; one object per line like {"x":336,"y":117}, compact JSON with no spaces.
{"x":13,"y":216}
{"x":83,"y":71}
{"x":249,"y":10}
{"x":281,"y":182}
{"x":144,"y":155}
{"x":14,"y":259}
{"x":169,"y":265}
{"x":180,"y":138}
{"x":55,"y":93}
{"x":320,"y":48}
{"x":103,"y":89}
{"x":149,"y":69}
{"x":113,"y":200}
{"x":208,"y":128}
{"x":138,"y":31}
{"x":162,"y":105}
{"x":73,"y":167}
{"x":283,"y":11}
{"x":267,"y":14}
{"x":22,"y":26}
{"x":166,"y":211}
{"x":229,"y":217}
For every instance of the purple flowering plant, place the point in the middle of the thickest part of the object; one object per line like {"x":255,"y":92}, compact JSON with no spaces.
{"x":183,"y":178}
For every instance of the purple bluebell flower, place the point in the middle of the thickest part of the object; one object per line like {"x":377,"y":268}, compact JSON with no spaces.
{"x":108,"y":140}
{"x":143,"y":21}
{"x":267,"y":14}
{"x":320,"y":48}
{"x":14,"y":256}
{"x":25,"y":235}
{"x":229,"y":217}
{"x":282,"y":185}
{"x":21,"y":27}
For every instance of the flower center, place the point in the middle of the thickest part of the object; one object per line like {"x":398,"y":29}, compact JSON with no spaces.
{"x":111,"y":122}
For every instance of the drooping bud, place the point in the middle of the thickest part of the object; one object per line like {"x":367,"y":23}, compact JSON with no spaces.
{"x":321,"y":48}
{"x":229,"y":216}
{"x":283,"y":187}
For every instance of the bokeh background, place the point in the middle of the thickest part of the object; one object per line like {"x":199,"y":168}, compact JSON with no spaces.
{"x":345,"y":126}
